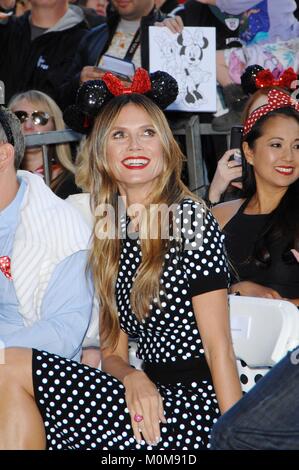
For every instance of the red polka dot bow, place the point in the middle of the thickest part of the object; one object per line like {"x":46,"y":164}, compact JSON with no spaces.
{"x":276,"y":99}
{"x":5,"y":266}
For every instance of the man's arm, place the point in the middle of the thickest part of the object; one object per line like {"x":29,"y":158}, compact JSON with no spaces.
{"x":65,"y":312}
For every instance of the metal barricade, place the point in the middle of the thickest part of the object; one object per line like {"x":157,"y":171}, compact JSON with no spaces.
{"x":189,"y":127}
{"x":43,"y":139}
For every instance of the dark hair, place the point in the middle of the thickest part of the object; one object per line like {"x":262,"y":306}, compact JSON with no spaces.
{"x":11,"y":132}
{"x":284,"y":220}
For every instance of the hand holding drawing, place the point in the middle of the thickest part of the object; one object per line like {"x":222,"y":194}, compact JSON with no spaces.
{"x":175,"y":24}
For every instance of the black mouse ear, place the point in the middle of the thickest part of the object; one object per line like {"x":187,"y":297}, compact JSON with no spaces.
{"x":248,"y":78}
{"x":92,"y":95}
{"x":76,"y":120}
{"x":164,"y":89}
{"x":90,"y":98}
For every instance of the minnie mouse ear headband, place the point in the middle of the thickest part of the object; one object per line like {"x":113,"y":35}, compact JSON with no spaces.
{"x":276,"y":99}
{"x":256,"y":77}
{"x":93,"y":95}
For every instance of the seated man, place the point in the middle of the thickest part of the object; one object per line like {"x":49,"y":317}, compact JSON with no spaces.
{"x":45,"y":293}
{"x":125,"y":36}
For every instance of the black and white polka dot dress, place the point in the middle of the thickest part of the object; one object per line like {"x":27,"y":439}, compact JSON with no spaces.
{"x":84,"y":408}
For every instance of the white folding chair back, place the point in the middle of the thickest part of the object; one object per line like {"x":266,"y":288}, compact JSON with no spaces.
{"x":263,"y":330}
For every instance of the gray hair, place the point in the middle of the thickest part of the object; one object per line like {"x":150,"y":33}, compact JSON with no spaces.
{"x":14,"y":125}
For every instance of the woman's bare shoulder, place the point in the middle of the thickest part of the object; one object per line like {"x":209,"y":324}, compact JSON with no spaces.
{"x":225,"y":211}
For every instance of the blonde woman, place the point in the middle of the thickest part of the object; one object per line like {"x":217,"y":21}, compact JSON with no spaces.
{"x":170,"y":291}
{"x":38,"y":112}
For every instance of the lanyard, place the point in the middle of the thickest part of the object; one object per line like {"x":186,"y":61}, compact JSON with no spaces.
{"x":133,"y":46}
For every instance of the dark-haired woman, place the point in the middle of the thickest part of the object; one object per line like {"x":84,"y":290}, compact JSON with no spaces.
{"x":263,"y":228}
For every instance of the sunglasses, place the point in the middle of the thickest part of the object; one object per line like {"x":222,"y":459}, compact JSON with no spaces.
{"x":39,"y":118}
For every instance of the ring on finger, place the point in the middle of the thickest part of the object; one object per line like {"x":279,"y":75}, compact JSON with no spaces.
{"x":138,"y":418}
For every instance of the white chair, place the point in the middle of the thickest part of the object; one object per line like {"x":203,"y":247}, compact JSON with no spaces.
{"x":263,"y":330}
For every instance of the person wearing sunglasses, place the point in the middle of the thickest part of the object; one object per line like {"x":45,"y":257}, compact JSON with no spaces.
{"x":37,"y":112}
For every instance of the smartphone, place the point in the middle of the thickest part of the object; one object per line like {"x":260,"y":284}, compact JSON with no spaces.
{"x":119,"y":67}
{"x":235,"y":143}
{"x":121,"y":76}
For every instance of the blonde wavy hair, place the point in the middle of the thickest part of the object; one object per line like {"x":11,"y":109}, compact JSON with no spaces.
{"x":43,"y":102}
{"x":94,"y":175}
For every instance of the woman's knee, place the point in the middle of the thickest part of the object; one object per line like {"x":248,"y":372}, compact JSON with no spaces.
{"x":16,"y":368}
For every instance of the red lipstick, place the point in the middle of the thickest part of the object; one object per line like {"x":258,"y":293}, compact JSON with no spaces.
{"x":135,"y":163}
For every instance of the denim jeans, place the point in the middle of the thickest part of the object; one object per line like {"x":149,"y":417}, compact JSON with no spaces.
{"x":267,"y":417}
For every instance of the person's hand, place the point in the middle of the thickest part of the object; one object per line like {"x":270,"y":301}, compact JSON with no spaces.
{"x":4,"y":16}
{"x":91,"y":357}
{"x":143,"y":399}
{"x":94,"y":73}
{"x":175,"y":24}
{"x":91,"y":73}
{"x":296,"y":254}
{"x":293,"y":301}
{"x":252,"y":289}
{"x":207,"y":2}
{"x":226,"y":172}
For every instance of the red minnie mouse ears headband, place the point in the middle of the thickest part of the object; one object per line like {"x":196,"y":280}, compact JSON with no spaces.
{"x":256,"y":77}
{"x":93,"y":95}
{"x":276,"y":99}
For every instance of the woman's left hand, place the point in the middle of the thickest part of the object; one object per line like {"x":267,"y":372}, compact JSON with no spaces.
{"x":144,"y":400}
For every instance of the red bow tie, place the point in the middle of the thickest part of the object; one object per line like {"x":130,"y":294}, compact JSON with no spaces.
{"x":5,"y":266}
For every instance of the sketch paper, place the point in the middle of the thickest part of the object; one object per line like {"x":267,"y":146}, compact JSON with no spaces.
{"x":190,"y":57}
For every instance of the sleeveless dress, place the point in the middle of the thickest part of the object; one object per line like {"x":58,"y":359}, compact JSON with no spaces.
{"x":241,"y":233}
{"x":85,"y":408}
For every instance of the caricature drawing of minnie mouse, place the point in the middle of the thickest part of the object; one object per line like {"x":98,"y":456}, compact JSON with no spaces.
{"x":191,"y":75}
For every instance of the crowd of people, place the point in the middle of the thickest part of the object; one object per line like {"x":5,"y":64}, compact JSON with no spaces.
{"x":118,"y":247}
